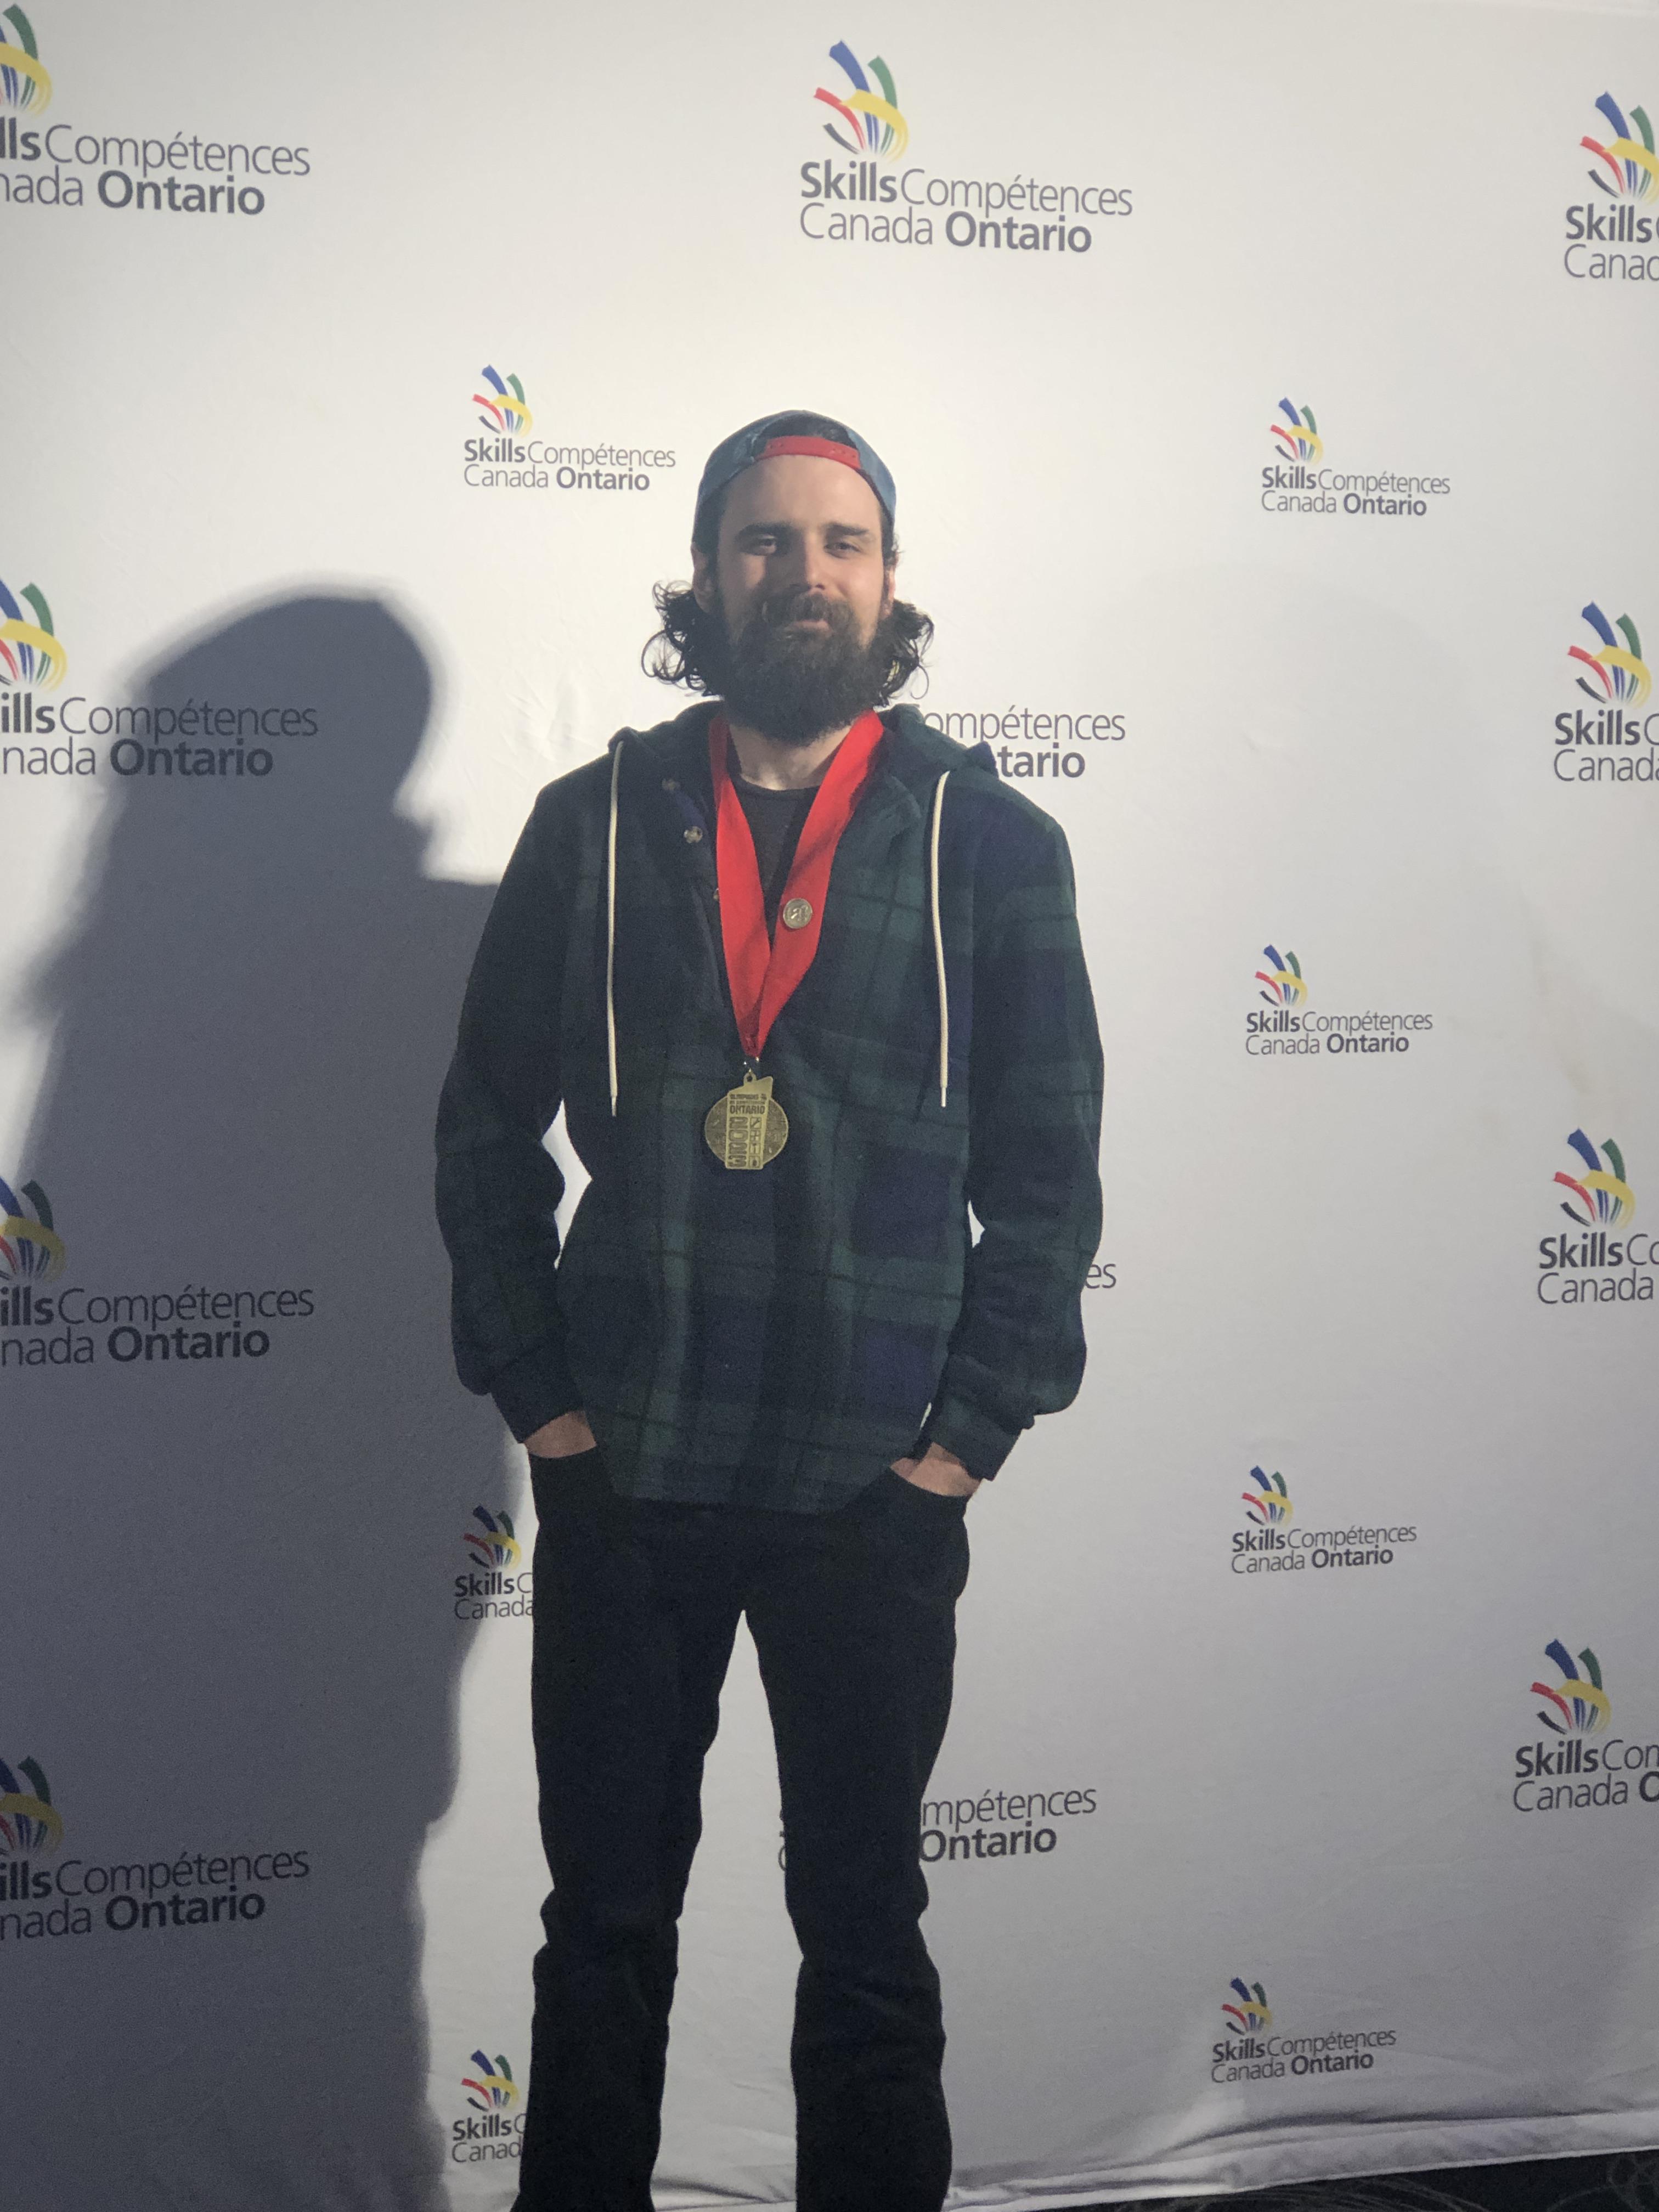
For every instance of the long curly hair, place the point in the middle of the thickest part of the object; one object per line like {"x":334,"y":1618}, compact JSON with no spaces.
{"x":690,"y":647}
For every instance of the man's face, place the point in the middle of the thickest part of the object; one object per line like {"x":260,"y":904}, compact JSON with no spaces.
{"x":797,"y":528}
{"x":801,"y":585}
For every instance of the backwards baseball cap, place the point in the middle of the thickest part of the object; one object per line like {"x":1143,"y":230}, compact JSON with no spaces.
{"x":796,"y":431}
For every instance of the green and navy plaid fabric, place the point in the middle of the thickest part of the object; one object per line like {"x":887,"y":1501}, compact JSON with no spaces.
{"x":773,"y":1338}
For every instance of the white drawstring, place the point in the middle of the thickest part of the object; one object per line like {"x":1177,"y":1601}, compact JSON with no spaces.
{"x":938,"y":945}
{"x":610,"y":928}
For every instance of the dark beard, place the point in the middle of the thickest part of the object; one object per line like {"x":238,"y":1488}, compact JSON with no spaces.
{"x":795,"y":687}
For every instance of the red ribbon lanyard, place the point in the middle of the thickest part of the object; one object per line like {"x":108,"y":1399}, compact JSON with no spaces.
{"x":763,"y":975}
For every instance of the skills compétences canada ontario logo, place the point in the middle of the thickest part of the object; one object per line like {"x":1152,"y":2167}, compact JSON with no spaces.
{"x":1252,"y":2048}
{"x":1298,"y":481}
{"x":1603,"y":1260}
{"x":42,"y":734}
{"x":493,"y":2126}
{"x":1611,"y":235}
{"x":48,"y":1891}
{"x":508,"y":458}
{"x":55,"y":164}
{"x":1271,"y":1541}
{"x":1609,"y":735}
{"x":1288,"y":1030}
{"x":1576,"y":1762}
{"x":868,"y":194}
{"x":46,"y":1323}
{"x":494,"y":1585}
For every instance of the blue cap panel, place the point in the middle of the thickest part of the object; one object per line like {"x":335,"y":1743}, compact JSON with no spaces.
{"x":745,"y":447}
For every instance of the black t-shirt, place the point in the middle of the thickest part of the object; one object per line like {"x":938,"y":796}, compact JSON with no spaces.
{"x":776,"y":819}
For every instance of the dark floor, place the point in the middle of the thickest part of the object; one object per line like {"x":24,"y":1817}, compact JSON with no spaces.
{"x":1628,"y":2183}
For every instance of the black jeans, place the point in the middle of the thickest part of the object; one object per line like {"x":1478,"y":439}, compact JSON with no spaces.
{"x":852,"y":1614}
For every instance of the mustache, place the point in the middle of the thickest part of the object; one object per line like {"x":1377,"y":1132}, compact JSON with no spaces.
{"x":801,"y":603}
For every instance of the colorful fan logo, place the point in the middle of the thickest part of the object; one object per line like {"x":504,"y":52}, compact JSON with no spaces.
{"x":23,"y":81}
{"x":31,"y":1250}
{"x":29,"y":1822}
{"x":29,"y":652}
{"x":1605,"y":1198}
{"x":1298,"y":434}
{"x":504,"y":404}
{"x":1630,"y":170}
{"x":1250,"y":2013}
{"x":872,"y":118}
{"x":1285,"y":984}
{"x":1620,"y":674}
{"x":498,"y":1546}
{"x":495,"y":2084}
{"x":1580,"y":1706}
{"x":1270,"y":1506}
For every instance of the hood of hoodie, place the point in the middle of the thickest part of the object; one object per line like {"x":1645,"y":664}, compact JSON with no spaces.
{"x":916,"y":755}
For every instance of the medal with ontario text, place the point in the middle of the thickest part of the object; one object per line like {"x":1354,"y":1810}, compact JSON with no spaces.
{"x":747,"y":1128}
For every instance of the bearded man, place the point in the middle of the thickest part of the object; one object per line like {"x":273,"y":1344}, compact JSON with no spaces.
{"x":806,"y":980}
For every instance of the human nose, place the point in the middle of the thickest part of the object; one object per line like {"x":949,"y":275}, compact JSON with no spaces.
{"x":807,"y":566}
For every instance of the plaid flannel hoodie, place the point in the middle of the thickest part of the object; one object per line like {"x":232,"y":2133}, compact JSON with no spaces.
{"x":773,"y":1338}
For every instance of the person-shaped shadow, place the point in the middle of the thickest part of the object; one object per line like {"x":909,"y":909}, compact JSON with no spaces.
{"x":231,"y":1608}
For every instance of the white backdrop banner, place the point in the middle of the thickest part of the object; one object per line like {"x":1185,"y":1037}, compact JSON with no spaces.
{"x":1270,"y":391}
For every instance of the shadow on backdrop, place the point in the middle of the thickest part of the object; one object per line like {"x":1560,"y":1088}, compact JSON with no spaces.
{"x":255,"y":1650}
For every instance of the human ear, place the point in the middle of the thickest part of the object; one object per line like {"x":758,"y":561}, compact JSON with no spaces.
{"x":703,"y":579}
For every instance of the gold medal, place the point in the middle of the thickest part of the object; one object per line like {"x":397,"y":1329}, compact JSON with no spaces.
{"x":747,"y":1128}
